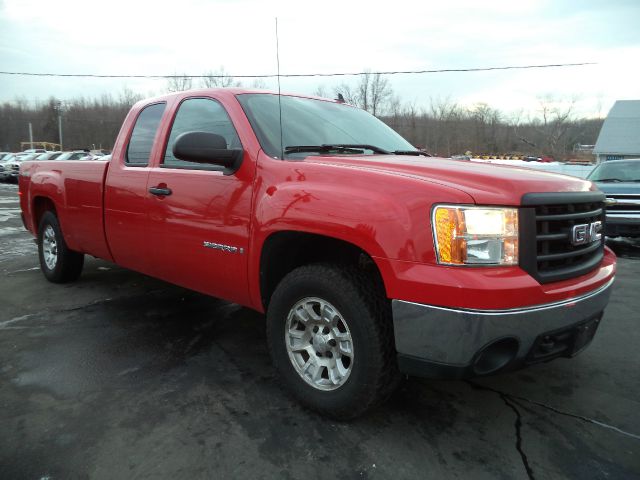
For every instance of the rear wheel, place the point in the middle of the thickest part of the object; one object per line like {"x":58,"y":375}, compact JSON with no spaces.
{"x":58,"y":263}
{"x":331,"y":339}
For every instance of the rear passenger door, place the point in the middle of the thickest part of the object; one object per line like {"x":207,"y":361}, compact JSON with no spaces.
{"x":199,"y":217}
{"x":125,"y":205}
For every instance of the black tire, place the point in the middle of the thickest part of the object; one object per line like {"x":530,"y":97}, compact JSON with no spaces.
{"x":68,"y":264}
{"x":365,"y":309}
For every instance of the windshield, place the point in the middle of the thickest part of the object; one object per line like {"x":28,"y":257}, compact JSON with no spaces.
{"x":306,"y":121}
{"x":616,"y":172}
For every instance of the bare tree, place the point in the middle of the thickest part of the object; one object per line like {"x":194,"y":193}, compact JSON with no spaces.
{"x":128,"y":97}
{"x":363,"y":91}
{"x":179,"y":83}
{"x":485,"y":127}
{"x":350,"y":96}
{"x":556,"y":119}
{"x":379,"y":93}
{"x":372,"y":93}
{"x":443,"y":127}
{"x":447,"y":121}
{"x":520,"y":130}
{"x":321,"y":91}
{"x":219,"y":79}
{"x":258,"y":83}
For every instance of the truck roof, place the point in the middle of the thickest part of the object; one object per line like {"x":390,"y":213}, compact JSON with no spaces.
{"x":227,"y":92}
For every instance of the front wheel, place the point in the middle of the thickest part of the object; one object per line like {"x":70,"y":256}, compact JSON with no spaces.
{"x":58,"y":263}
{"x":331,"y":339}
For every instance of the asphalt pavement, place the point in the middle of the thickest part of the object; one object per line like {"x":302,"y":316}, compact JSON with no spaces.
{"x":121,"y":376}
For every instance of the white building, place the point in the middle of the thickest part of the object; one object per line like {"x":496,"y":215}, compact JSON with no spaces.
{"x":620,"y":134}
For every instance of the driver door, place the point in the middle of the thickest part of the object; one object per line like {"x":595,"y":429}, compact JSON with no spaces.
{"x":199,"y":217}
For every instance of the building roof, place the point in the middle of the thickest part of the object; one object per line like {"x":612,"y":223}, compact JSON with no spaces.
{"x":620,"y":133}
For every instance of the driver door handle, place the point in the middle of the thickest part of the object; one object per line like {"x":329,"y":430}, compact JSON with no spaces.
{"x":160,"y":191}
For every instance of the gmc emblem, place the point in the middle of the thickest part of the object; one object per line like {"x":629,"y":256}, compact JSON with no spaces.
{"x":586,"y":233}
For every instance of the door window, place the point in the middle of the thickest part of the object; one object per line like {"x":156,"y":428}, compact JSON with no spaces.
{"x":199,"y":115}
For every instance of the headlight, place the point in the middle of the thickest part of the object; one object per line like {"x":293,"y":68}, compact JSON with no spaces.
{"x":475,"y":235}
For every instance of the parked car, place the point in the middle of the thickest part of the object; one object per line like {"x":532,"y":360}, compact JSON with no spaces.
{"x":4,"y":167}
{"x":75,"y":155}
{"x":34,"y":150}
{"x":10,"y":169}
{"x":95,"y":156}
{"x":369,"y":259}
{"x":620,"y":182}
{"x":4,"y":155}
{"x":48,"y":156}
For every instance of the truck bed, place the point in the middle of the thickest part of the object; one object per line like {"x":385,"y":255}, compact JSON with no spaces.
{"x":77,"y":190}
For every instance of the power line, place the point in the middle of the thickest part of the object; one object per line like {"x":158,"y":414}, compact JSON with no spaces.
{"x":293,"y":75}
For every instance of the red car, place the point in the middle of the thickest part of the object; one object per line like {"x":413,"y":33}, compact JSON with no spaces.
{"x":369,"y":259}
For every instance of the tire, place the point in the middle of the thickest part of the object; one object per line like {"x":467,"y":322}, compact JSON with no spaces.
{"x":58,"y":263}
{"x":358,"y":370}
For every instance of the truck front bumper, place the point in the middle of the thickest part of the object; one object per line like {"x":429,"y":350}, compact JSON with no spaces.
{"x":440,"y":342}
{"x":622,"y":224}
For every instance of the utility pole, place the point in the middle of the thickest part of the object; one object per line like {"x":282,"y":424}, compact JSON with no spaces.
{"x":30,"y":136}
{"x":59,"y":108}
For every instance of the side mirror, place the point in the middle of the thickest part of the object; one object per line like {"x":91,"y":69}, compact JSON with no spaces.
{"x":207,"y":148}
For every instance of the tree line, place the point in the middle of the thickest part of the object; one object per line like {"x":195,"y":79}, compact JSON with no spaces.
{"x":443,"y":127}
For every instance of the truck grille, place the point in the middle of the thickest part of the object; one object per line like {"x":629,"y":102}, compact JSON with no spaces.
{"x":623,"y":215}
{"x":547,"y":220}
{"x":624,"y":203}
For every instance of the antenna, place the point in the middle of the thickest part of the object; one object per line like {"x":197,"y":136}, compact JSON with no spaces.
{"x":279,"y":96}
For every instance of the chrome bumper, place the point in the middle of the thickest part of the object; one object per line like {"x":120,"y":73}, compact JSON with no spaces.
{"x":452,"y":338}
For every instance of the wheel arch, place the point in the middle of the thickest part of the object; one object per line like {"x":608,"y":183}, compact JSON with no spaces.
{"x":39,"y":205}
{"x":283,"y":251}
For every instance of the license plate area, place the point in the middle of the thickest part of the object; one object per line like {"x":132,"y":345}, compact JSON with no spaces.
{"x":565,"y":342}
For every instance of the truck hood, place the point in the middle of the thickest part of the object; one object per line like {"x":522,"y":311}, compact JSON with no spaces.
{"x":487,"y":183}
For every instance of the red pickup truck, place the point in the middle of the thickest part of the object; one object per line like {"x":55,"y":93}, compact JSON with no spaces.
{"x":369,"y":259}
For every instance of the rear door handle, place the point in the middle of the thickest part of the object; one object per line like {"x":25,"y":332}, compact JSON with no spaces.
{"x":160,"y":191}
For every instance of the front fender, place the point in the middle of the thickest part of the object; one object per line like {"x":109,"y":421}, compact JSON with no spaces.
{"x":385,"y":215}
{"x":363,"y":218}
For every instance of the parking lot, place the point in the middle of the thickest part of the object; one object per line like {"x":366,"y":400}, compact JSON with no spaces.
{"x":123,"y":376}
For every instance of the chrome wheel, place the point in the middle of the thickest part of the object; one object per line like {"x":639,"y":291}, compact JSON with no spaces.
{"x":50,"y":247}
{"x":319,"y":343}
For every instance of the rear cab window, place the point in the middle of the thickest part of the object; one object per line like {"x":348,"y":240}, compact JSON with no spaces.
{"x":143,"y":135}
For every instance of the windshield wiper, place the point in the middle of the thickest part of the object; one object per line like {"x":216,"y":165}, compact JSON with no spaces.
{"x":334,"y":147}
{"x":410,"y":152}
{"x":608,"y":180}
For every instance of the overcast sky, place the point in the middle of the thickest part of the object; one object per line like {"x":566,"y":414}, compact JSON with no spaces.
{"x":192,"y":36}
